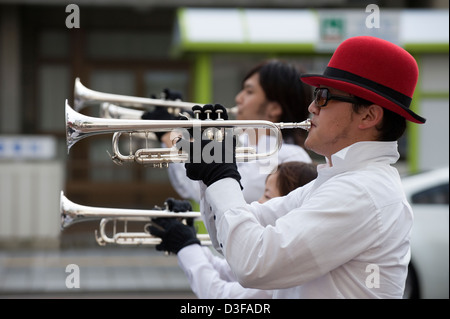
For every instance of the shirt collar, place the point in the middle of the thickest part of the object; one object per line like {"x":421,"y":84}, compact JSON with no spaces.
{"x":361,"y":153}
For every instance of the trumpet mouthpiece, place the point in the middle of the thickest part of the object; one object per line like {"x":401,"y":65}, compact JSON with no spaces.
{"x":305,"y":125}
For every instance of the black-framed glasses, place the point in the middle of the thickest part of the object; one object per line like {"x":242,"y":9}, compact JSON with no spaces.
{"x":323,"y":95}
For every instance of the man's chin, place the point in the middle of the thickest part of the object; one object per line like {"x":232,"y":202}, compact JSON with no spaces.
{"x":309,"y":145}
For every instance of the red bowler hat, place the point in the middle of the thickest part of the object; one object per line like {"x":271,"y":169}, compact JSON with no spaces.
{"x":375,"y":70}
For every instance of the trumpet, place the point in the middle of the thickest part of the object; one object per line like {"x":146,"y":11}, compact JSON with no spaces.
{"x":119,"y":103}
{"x":79,"y":126}
{"x":114,"y":111}
{"x":72,"y":213}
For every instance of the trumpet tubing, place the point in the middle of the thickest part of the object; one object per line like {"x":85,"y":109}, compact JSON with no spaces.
{"x":84,"y":96}
{"x":161,"y":157}
{"x":72,"y":213}
{"x":132,"y":238}
{"x":79,"y":126}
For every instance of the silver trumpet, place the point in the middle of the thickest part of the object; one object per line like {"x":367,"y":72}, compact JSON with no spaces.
{"x":72,"y":213}
{"x":79,"y":126}
{"x":119,"y":104}
{"x":114,"y":111}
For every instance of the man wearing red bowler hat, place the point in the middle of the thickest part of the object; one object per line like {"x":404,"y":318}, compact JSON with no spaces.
{"x":347,"y":233}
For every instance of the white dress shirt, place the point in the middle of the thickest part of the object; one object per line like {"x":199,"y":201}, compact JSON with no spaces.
{"x":344,"y":235}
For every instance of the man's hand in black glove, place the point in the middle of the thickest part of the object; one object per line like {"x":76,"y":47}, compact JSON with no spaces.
{"x":180,"y":206}
{"x":210,"y":160}
{"x":174,"y":234}
{"x":168,"y":94}
{"x":160,"y":113}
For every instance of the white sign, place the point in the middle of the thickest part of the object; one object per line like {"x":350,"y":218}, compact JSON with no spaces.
{"x":19,"y":147}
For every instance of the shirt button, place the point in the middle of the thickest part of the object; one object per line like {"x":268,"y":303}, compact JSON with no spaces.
{"x":221,"y":246}
{"x":214,"y":217}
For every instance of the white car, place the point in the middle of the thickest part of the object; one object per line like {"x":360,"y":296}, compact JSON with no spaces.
{"x":428,"y":195}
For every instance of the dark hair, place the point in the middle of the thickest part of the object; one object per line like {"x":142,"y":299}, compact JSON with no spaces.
{"x":281,"y":83}
{"x":292,"y":175}
{"x":391,"y":128}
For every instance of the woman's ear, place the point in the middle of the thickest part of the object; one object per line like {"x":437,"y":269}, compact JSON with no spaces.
{"x":371,"y":116}
{"x":274,"y":111}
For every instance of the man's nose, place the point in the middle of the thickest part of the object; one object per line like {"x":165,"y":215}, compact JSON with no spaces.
{"x":313,"y":108}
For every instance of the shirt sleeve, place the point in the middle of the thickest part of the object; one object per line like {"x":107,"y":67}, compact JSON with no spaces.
{"x":220,"y":264}
{"x":208,"y":218}
{"x":206,"y":281}
{"x":185,"y":187}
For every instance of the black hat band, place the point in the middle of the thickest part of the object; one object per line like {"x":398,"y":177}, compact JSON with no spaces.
{"x":393,"y":95}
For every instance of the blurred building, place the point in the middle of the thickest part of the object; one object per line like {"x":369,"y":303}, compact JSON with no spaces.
{"x":203,"y":50}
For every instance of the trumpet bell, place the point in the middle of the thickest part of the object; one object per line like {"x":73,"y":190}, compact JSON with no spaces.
{"x":72,"y":213}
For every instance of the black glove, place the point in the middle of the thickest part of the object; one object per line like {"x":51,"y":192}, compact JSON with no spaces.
{"x":168,"y":95}
{"x":171,"y":95}
{"x":177,"y":206}
{"x":180,"y":206}
{"x":174,"y":234}
{"x":160,"y":113}
{"x":216,"y":159}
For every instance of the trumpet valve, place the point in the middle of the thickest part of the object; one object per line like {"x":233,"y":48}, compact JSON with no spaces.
{"x":208,"y":110}
{"x":197,"y":109}
{"x":219,"y":113}
{"x":160,"y":165}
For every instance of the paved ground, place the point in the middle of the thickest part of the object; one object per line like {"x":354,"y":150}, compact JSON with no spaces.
{"x":104,"y":272}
